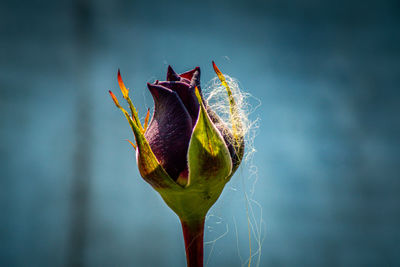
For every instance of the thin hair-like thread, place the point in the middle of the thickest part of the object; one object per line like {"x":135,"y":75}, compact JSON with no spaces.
{"x":216,"y":96}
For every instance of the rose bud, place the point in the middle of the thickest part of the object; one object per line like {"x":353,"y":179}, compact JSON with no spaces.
{"x":186,"y":152}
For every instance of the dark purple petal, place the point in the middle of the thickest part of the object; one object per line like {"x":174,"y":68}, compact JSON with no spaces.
{"x":185,"y":77}
{"x":189,"y":74}
{"x":191,"y":77}
{"x":185,"y":81}
{"x":194,"y":76}
{"x":172,"y":75}
{"x":187,"y":94}
{"x":170,"y":130}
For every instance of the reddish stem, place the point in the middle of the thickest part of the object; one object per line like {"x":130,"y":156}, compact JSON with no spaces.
{"x":193,"y":232}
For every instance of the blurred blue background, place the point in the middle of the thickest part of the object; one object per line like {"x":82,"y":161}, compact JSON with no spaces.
{"x":327,"y":74}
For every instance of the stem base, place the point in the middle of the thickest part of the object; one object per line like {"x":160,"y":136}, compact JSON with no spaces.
{"x":193,"y":233}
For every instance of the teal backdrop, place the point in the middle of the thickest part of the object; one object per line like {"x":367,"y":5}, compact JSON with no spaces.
{"x":326,"y":183}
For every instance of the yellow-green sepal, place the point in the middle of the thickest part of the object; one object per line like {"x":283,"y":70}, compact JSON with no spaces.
{"x":210,"y":166}
{"x":149,"y":167}
{"x":208,"y":156}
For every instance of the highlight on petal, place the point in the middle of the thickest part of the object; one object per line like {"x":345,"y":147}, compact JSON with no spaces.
{"x":124,"y":90}
{"x":195,"y":78}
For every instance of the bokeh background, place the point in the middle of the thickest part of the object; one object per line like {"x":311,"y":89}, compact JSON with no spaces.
{"x":326,"y":72}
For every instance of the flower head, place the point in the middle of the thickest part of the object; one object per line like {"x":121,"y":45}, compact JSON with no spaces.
{"x":186,"y":152}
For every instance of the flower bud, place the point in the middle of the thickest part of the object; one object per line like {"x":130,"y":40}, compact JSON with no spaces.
{"x":186,"y":152}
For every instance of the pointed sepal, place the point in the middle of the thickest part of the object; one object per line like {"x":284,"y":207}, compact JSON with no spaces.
{"x":236,"y":120}
{"x":208,"y":156}
{"x":124,"y":90}
{"x":149,"y":167}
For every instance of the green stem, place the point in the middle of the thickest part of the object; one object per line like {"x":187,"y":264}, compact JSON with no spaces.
{"x":193,"y":232}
